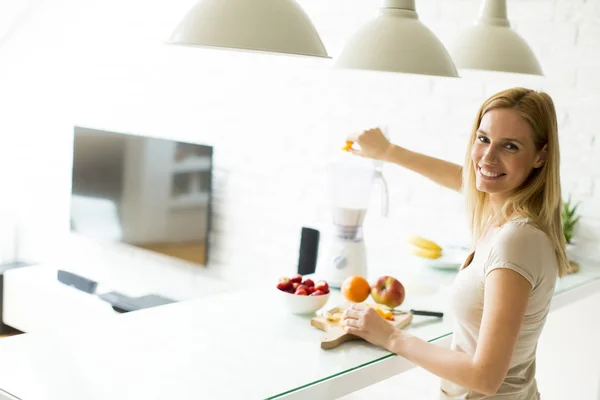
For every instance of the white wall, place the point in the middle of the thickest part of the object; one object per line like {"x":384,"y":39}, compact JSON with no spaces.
{"x":274,"y":121}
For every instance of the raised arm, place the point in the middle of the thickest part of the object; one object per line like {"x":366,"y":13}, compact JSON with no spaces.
{"x":373,"y":144}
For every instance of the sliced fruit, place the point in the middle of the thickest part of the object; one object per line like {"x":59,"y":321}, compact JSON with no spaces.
{"x":348,"y":145}
{"x":334,"y":317}
{"x":385,"y":314}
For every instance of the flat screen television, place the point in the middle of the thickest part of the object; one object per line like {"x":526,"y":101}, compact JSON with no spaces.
{"x":146,"y":192}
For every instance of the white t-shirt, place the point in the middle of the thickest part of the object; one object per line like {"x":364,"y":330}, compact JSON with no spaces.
{"x":523,"y":248}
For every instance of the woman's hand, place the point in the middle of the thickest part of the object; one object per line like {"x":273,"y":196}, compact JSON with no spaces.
{"x":365,"y":322}
{"x":373,"y":144}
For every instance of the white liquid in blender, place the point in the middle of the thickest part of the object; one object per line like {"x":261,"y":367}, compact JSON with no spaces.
{"x":349,"y":216}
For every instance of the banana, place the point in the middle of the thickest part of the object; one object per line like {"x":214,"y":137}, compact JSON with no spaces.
{"x":424,"y":243}
{"x":426,"y":253}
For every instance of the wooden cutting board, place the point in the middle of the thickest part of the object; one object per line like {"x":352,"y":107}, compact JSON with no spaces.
{"x":334,"y":333}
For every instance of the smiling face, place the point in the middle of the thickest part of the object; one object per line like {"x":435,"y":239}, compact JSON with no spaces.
{"x":504,"y":153}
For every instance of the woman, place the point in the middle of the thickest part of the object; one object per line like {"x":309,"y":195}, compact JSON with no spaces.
{"x":501,"y":295}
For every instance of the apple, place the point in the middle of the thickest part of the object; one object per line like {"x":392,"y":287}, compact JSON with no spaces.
{"x":301,"y":292}
{"x":389,"y":291}
{"x":317,"y":293}
{"x":295,"y":285}
{"x":322,"y":286}
{"x":310,"y":289}
{"x":284,"y":283}
{"x":296,"y":278}
{"x":308,"y":282}
{"x":302,"y":287}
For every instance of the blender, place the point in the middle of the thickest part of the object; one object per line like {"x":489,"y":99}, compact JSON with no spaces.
{"x":350,"y":184}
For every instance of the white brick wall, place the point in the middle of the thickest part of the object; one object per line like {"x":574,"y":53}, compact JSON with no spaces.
{"x":274,"y":121}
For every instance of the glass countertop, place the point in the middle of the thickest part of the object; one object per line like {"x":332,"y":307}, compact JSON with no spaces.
{"x":239,"y":344}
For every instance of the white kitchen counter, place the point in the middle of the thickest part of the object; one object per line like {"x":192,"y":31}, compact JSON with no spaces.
{"x":233,"y":345}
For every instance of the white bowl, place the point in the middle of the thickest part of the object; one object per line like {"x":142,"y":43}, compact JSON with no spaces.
{"x":301,"y":304}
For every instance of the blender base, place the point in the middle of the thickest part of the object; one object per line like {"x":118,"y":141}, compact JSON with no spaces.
{"x":346,"y":258}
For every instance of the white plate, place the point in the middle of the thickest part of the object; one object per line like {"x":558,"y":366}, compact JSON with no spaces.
{"x":451,"y":259}
{"x":418,"y":288}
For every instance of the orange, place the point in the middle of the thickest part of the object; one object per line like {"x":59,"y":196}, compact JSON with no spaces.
{"x":356,"y":289}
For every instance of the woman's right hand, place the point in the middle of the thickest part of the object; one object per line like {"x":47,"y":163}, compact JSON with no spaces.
{"x":373,"y":144}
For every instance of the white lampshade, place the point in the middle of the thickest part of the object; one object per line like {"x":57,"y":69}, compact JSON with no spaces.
{"x":396,"y":41}
{"x":492,"y":45}
{"x":279,"y":26}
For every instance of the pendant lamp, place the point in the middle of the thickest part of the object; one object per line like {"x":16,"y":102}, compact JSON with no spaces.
{"x":396,"y":41}
{"x":492,"y":45}
{"x":276,"y":26}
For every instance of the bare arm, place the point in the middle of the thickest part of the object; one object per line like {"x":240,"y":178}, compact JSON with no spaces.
{"x":442,"y":172}
{"x":505,"y":301}
{"x":373,"y":144}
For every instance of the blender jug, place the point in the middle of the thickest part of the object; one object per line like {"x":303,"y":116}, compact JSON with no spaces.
{"x":350,"y":186}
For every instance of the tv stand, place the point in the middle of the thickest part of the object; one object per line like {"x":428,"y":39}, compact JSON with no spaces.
{"x":40,"y":297}
{"x":122,"y":303}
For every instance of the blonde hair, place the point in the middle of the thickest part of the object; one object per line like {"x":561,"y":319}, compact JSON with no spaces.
{"x":539,"y":197}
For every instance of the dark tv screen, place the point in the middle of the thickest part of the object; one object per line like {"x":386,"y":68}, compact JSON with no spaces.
{"x":146,"y":192}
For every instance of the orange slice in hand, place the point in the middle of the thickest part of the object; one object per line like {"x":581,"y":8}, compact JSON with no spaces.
{"x":348,"y":145}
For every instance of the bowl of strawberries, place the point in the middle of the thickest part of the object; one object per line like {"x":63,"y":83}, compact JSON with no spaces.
{"x":302,"y":295}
